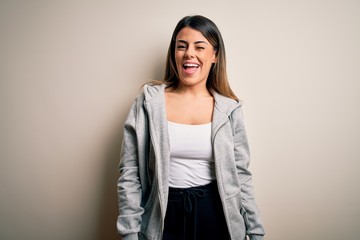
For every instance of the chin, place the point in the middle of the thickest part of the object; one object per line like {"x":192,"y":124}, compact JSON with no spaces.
{"x":191,"y":82}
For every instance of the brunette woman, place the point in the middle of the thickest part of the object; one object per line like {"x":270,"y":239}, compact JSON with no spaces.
{"x":185,"y":155}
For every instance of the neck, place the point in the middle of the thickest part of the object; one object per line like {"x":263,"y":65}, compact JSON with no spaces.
{"x":193,"y":90}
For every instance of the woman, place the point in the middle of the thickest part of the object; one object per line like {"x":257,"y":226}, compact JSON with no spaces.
{"x":184,"y":161}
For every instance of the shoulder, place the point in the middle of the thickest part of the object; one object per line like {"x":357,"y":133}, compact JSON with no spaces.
{"x":225,"y":104}
{"x":151,"y":90}
{"x":148,"y":93}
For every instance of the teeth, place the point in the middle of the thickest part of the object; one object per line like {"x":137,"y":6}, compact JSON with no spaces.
{"x":191,"y":65}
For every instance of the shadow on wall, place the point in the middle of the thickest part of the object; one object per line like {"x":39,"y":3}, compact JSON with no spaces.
{"x":108,"y":209}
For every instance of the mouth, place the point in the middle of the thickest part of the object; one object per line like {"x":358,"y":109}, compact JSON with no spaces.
{"x":190,"y":66}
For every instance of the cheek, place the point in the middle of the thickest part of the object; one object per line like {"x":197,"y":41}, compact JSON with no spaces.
{"x":178,"y":57}
{"x":209,"y":56}
{"x":209,"y":60}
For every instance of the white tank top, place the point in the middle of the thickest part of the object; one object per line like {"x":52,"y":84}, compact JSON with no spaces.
{"x":191,"y":156}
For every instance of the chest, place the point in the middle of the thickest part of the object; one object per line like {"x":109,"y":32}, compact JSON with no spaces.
{"x":189,"y":111}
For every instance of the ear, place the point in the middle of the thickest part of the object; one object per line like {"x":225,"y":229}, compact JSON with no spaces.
{"x":214,"y":60}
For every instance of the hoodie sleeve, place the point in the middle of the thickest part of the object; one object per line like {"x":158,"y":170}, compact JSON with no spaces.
{"x":128,"y":185}
{"x":249,"y":211}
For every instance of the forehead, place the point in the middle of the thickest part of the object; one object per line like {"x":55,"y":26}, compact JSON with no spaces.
{"x":190,"y":35}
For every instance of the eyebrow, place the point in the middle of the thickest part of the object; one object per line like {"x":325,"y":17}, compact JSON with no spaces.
{"x":197,"y":42}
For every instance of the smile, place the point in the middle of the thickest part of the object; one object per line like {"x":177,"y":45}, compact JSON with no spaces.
{"x":190,"y":65}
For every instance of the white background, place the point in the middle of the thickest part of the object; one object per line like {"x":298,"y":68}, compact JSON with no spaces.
{"x":69,"y":71}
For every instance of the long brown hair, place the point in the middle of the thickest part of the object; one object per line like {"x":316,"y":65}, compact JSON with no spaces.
{"x":217,"y":79}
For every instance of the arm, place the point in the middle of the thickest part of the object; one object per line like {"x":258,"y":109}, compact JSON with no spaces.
{"x":128,"y":185}
{"x":250,"y":212}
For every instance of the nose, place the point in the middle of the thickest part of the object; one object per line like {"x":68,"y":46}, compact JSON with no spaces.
{"x":190,"y":52}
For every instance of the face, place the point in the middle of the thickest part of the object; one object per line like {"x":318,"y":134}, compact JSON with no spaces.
{"x":194,"y":56}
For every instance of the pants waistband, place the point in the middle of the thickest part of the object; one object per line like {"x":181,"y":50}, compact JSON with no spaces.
{"x":205,"y":188}
{"x":192,"y":194}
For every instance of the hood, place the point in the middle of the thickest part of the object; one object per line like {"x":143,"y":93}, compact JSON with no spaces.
{"x":153,"y":90}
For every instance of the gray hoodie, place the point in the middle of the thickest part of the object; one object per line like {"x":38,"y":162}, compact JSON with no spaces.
{"x":143,"y":184}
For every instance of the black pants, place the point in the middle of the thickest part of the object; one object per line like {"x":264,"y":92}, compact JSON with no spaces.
{"x":195,"y":213}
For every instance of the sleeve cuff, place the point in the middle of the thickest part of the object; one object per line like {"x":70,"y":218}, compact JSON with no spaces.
{"x":256,"y":237}
{"x":132,"y":236}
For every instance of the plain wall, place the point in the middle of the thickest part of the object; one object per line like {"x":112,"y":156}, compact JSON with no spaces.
{"x":69,"y":71}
